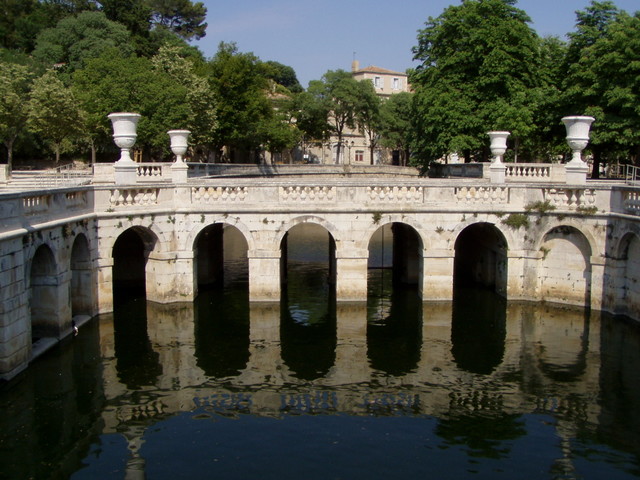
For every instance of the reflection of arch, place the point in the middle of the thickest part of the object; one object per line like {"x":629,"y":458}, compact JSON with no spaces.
{"x":81,"y":288}
{"x":43,"y":294}
{"x":130,"y":254}
{"x":478,"y":330}
{"x":220,"y":248}
{"x":481,"y":258}
{"x":565,"y":272}
{"x":308,"y":319}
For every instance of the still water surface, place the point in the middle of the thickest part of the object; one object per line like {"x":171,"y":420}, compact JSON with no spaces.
{"x":218,"y":388}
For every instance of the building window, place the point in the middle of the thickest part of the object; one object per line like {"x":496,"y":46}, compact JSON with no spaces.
{"x":397,"y":85}
{"x":359,"y":156}
{"x":377,"y":82}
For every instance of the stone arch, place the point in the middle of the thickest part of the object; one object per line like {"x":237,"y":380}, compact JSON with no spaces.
{"x":406,"y":254}
{"x":44,"y":301}
{"x":130,"y":253}
{"x":330,"y":227}
{"x":82,"y":283}
{"x":565,"y":268}
{"x":481,"y":257}
{"x":569,"y":223}
{"x":197,"y":229}
{"x":218,"y":247}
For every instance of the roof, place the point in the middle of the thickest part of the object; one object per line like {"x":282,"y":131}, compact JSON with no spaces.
{"x":374,"y":69}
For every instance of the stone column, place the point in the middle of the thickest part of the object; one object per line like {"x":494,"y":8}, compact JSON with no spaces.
{"x":104,"y":277}
{"x":437,"y":277}
{"x":597,"y":282}
{"x":351,"y":274}
{"x":264,"y":275}
{"x":170,"y":277}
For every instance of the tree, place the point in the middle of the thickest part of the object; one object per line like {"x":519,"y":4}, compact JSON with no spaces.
{"x":183,"y":17}
{"x":395,"y":123}
{"x":340,"y":94}
{"x":15,"y":84}
{"x":605,"y":83}
{"x":283,"y":75}
{"x":76,"y":39}
{"x":478,"y":68}
{"x":112,"y":83}
{"x":368,"y":116}
{"x":240,"y":87}
{"x":53,"y":111}
{"x":201,"y":120}
{"x":135,"y":15}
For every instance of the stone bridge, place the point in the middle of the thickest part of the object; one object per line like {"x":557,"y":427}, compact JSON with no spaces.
{"x":64,"y":250}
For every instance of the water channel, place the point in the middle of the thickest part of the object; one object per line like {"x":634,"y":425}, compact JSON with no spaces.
{"x":219,"y":388}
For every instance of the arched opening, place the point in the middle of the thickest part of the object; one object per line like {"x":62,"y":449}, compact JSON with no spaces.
{"x":221,"y":258}
{"x":394,"y":312}
{"x":130,"y":253}
{"x":43,"y":295}
{"x":481,"y":259}
{"x":308,"y":323}
{"x":565,"y":273}
{"x":81,"y":291}
{"x":629,"y":302}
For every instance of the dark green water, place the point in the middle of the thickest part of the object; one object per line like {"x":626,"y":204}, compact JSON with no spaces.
{"x":476,"y":388}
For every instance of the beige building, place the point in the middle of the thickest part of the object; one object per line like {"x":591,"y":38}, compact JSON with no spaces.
{"x":355,"y":146}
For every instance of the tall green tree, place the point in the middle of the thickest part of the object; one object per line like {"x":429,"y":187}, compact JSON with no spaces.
{"x":15,"y":86}
{"x":478,"y":68}
{"x":112,"y":83}
{"x":240,"y":87}
{"x":78,"y":38}
{"x":341,"y":95}
{"x":605,"y":83}
{"x":283,"y":75}
{"x":368,"y":115}
{"x":201,"y":121}
{"x":395,"y":123}
{"x":53,"y":112}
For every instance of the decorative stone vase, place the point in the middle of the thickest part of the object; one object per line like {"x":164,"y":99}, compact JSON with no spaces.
{"x":179,"y":145}
{"x":498,"y":147}
{"x":179,"y":142}
{"x":124,"y":132}
{"x":577,"y":139}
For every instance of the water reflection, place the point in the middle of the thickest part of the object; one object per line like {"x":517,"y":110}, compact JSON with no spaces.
{"x":482,"y":386}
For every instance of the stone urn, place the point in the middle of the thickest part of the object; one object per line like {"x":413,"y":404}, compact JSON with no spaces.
{"x":124,"y":136}
{"x":179,"y":145}
{"x":578,"y":139}
{"x":498,"y":148}
{"x":179,"y":142}
{"x":124,"y":132}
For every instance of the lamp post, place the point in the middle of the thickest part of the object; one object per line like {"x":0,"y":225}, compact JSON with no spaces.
{"x":498,"y":148}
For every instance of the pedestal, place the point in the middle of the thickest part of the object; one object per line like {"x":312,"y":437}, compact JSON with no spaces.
{"x":497,"y":172}
{"x":576,"y":173}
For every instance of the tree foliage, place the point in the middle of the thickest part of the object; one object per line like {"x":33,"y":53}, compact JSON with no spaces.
{"x":240,"y":87}
{"x":53,"y":112}
{"x":478,"y":73}
{"x":603,"y":80}
{"x":76,"y":39}
{"x":395,"y":123}
{"x":182,"y":17}
{"x":15,"y":86}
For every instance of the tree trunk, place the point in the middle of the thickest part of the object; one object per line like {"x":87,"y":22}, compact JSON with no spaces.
{"x":9,"y":144}
{"x":597,"y":159}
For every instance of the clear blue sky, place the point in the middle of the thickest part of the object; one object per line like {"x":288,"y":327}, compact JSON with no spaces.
{"x":314,"y":36}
